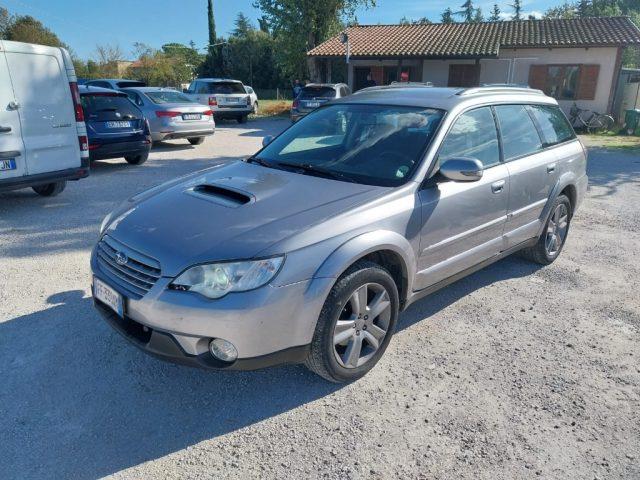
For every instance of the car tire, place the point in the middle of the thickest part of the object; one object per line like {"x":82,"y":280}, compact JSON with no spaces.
{"x":242,"y":119}
{"x":50,"y":189}
{"x":137,"y":159}
{"x":255,"y":108}
{"x":196,"y":140}
{"x":554,"y":235}
{"x":329,"y":357}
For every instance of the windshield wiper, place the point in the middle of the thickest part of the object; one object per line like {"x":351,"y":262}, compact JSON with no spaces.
{"x":313,"y":170}
{"x":259,"y":161}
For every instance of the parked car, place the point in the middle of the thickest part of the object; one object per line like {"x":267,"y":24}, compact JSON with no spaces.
{"x":314,"y":95}
{"x":227,"y":98}
{"x":172,"y":114}
{"x":114,"y":83}
{"x":43,"y":139}
{"x":253,"y":98}
{"x":308,"y":251}
{"x":115,"y":126}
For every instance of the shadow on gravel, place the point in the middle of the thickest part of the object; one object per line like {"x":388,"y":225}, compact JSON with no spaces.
{"x":611,"y":168}
{"x":77,"y":401}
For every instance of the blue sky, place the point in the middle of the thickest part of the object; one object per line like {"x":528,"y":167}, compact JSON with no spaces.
{"x":83,"y":24}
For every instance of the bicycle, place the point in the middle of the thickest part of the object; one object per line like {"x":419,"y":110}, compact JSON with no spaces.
{"x":595,"y":123}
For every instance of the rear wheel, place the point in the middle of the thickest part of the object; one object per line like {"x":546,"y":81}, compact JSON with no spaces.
{"x":600,"y":124}
{"x":195,"y":140}
{"x":255,"y":108}
{"x":550,"y":243}
{"x":355,"y":325}
{"x":50,"y":189}
{"x":137,"y":159}
{"x":242,"y":119}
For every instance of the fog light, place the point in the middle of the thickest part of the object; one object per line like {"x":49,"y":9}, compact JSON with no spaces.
{"x":223,"y":350}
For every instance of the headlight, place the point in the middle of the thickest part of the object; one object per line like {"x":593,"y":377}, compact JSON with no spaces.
{"x":215,"y":280}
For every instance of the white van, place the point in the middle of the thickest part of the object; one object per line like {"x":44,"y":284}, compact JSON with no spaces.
{"x":43,"y":137}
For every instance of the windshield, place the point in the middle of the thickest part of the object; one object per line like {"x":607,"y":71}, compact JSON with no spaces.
{"x":168,"y":97}
{"x":310,"y":93}
{"x":106,"y":107}
{"x":371,"y":144}
{"x":225,"y":88}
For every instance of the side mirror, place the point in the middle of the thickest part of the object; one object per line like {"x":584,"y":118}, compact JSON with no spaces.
{"x":185,"y":90}
{"x":462,"y":169}
{"x":267,"y":140}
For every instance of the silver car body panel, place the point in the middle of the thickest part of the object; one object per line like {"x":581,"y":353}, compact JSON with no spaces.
{"x":435,"y":230}
{"x":165,"y":128}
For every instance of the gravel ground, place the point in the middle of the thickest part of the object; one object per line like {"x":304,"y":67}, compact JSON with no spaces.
{"x":515,"y":372}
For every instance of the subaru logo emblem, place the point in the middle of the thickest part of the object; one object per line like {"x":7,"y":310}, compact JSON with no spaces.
{"x":121,"y":258}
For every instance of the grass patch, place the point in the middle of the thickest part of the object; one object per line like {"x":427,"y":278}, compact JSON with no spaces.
{"x":273,"y":108}
{"x":611,"y":140}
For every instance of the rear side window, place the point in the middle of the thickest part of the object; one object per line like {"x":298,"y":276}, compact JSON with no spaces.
{"x":131,"y":83}
{"x":519,"y":134}
{"x":103,"y":108}
{"x":168,"y":96}
{"x":309,"y":93}
{"x":553,"y":124}
{"x":473,"y":135}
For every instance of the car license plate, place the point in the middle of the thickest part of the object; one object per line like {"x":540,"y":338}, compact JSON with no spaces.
{"x":191,"y":116}
{"x":8,"y":164}
{"x":231,"y":100}
{"x":108,"y":296}
{"x":313,"y":104}
{"x":122,"y":124}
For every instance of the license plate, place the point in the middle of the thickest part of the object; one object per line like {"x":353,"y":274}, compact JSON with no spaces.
{"x":313,"y":104}
{"x":231,"y":100}
{"x":191,"y":116}
{"x":122,"y":124}
{"x":8,"y":164}
{"x":108,"y":296}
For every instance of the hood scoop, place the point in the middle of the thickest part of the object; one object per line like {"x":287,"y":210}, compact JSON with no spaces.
{"x":224,"y":196}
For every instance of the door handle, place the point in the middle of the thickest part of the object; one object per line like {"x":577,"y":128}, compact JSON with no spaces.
{"x":13,"y":105}
{"x":5,"y":129}
{"x":9,"y":154}
{"x":551,"y":168}
{"x":497,"y":187}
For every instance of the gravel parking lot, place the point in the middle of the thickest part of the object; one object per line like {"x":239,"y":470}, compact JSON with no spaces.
{"x":515,"y":372}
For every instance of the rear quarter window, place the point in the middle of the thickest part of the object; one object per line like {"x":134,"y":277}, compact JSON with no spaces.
{"x":519,"y":134}
{"x":554,"y":126}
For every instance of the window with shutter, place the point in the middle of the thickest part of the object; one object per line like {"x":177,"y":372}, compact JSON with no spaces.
{"x":565,"y":82}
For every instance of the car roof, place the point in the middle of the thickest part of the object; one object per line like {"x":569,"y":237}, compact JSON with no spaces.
{"x":87,"y":89}
{"x":330,"y":85}
{"x":151,"y":89}
{"x":112,"y":80}
{"x":445,"y":98}
{"x":225,"y":80}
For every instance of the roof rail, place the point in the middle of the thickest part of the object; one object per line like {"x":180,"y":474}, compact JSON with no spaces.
{"x":395,"y":83}
{"x":498,"y":88}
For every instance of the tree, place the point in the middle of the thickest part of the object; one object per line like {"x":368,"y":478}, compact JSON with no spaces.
{"x":495,"y":13}
{"x":467,"y":11}
{"x":5,"y":21}
{"x":447,"y":16}
{"x":566,"y":10}
{"x":161,"y":67}
{"x":106,"y":58}
{"x":478,"y":17}
{"x":211,"y":23}
{"x":299,"y":26}
{"x":242,"y":25}
{"x":517,"y":10}
{"x":28,"y":29}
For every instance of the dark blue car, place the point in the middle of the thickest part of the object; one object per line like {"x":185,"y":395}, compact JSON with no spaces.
{"x":115,"y":126}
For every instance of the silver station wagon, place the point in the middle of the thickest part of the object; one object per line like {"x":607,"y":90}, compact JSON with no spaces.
{"x":307,"y":251}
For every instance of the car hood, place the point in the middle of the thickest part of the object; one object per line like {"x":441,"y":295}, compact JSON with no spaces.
{"x":233,"y":211}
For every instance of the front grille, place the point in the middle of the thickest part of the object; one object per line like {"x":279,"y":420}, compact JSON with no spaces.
{"x":137,"y":275}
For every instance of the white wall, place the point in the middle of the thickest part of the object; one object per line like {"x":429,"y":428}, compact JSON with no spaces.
{"x":512,"y":66}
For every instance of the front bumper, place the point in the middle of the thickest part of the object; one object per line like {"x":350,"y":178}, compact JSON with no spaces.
{"x":268,"y":326}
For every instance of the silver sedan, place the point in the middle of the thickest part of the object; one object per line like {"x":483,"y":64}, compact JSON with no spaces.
{"x":172,"y":114}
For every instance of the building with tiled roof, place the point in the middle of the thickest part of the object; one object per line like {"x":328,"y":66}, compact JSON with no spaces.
{"x":574,"y":60}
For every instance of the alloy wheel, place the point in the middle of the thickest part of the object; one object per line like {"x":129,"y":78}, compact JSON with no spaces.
{"x":362,"y":325}
{"x":557,"y":230}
